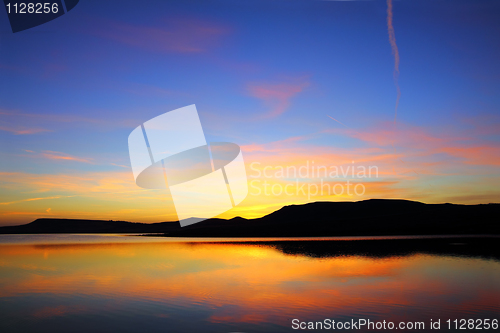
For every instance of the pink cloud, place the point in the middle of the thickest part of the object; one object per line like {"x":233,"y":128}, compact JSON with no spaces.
{"x":484,"y":124}
{"x":477,"y":155}
{"x":177,"y":36}
{"x":418,"y":141}
{"x":385,"y":134}
{"x":273,"y":147}
{"x":418,"y":151}
{"x":277,"y":96}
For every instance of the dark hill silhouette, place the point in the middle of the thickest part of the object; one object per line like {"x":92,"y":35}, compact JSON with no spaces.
{"x":362,"y":218}
{"x":54,"y":226}
{"x":369,"y":217}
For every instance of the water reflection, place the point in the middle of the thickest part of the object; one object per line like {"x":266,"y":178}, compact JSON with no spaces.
{"x":470,"y":247}
{"x":249,"y":287}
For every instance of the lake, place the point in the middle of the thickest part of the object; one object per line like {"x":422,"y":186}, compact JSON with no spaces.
{"x":125,"y":283}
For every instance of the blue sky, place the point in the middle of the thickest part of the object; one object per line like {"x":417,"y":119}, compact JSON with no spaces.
{"x":263,"y":74}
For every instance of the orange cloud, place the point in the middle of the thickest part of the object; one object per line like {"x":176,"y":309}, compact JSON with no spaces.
{"x":82,"y":183}
{"x":277,"y":96}
{"x":430,"y":157}
{"x":94,"y":195}
{"x":31,"y":199}
{"x":55,"y":155}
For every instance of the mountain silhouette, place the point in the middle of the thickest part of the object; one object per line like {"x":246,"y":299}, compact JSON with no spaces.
{"x":362,"y":218}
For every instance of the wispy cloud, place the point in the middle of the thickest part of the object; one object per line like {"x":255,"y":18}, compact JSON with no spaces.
{"x":468,"y":147}
{"x":82,"y":183}
{"x":63,"y":118}
{"x":476,"y":155}
{"x":276,"y":96}
{"x":440,"y":152}
{"x":121,"y":165}
{"x":94,"y":195}
{"x":34,"y":199}
{"x":23,"y":130}
{"x":148,"y":90}
{"x":383,"y":135}
{"x":11,"y":121}
{"x":174,"y":36}
{"x":55,"y":155}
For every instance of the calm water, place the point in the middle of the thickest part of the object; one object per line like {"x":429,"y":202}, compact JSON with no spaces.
{"x":113,"y":283}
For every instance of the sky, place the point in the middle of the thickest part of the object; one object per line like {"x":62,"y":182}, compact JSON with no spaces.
{"x":297,"y":84}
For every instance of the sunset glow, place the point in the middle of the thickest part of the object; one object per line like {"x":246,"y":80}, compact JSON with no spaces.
{"x":293,"y":83}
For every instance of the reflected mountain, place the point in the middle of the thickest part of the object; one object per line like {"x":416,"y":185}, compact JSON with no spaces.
{"x":467,"y":247}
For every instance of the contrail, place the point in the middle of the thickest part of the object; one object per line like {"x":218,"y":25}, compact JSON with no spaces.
{"x":395,"y":52}
{"x":338,"y":121}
